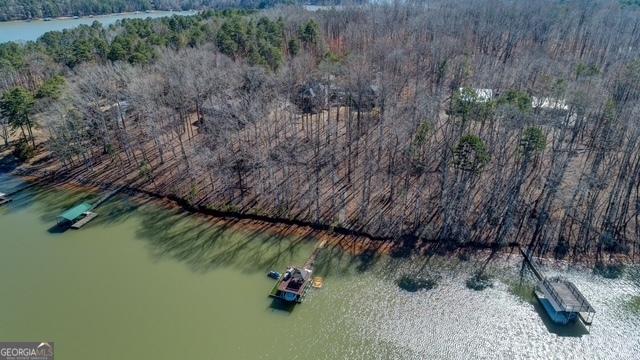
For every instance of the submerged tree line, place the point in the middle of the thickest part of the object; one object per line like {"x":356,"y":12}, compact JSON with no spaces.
{"x":489,"y":122}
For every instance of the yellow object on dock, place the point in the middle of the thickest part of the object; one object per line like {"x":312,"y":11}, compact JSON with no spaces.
{"x":318,"y":282}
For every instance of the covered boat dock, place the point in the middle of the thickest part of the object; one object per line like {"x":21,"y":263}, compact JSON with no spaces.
{"x":76,"y":215}
{"x":80,"y":215}
{"x":293,"y":285}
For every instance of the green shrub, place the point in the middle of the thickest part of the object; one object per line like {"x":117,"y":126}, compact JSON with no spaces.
{"x":467,"y":105}
{"x":533,"y":141}
{"x":479,"y":281}
{"x":609,"y":271}
{"x":417,"y":283}
{"x":23,"y":151}
{"x":145,"y":170}
{"x":612,"y":244}
{"x":562,"y":249}
{"x":586,"y":70}
{"x":51,"y":88}
{"x":471,"y":154}
{"x":634,"y":304}
{"x":464,"y":256}
{"x":517,"y":98}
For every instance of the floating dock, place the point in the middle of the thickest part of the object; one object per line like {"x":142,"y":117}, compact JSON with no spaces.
{"x":560,"y":298}
{"x":88,"y":216}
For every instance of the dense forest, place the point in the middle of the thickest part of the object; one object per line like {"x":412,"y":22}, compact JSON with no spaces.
{"x":485,"y":122}
{"x":30,"y":9}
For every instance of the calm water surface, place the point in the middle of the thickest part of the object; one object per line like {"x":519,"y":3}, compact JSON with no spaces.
{"x":147,"y":283}
{"x":32,"y":30}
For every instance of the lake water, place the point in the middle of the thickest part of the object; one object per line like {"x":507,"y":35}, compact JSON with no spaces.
{"x":141,"y":282}
{"x":32,"y":30}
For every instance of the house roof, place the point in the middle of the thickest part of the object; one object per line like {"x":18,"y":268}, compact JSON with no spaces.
{"x":549,"y":103}
{"x":482,"y":95}
{"x":75,"y":212}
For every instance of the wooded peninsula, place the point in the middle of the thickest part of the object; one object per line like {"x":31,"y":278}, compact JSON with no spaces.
{"x":39,"y":9}
{"x":458,"y":123}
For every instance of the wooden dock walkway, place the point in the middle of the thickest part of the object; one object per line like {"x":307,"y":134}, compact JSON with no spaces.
{"x":90,"y":215}
{"x":82,"y":222}
{"x":529,"y":261}
{"x":108,"y":196}
{"x":311,"y":261}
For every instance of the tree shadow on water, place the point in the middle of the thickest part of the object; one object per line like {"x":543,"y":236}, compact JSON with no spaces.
{"x":8,"y":164}
{"x":58,"y":228}
{"x":117,"y":210}
{"x":366,"y":260}
{"x":205,"y":245}
{"x":333,"y":261}
{"x":282,"y":306}
{"x":54,"y":202}
{"x":405,"y":246}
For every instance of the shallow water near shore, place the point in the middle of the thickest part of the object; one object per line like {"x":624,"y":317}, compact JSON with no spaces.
{"x":144,"y":282}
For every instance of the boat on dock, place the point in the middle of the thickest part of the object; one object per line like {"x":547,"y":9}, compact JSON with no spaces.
{"x":292,"y":285}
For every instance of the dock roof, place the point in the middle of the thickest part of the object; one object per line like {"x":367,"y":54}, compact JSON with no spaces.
{"x":295,"y":281}
{"x":75,"y":212}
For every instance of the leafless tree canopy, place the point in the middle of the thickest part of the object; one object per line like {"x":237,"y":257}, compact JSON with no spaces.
{"x":483,"y":121}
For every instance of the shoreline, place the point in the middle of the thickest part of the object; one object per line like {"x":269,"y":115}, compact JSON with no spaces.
{"x":95,"y":16}
{"x":47,"y":171}
{"x":352,"y":241}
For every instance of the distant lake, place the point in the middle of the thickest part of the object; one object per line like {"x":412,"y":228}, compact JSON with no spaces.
{"x":31,"y":30}
{"x":322,"y":7}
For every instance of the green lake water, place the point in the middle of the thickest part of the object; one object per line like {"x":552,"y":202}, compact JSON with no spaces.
{"x":141,"y":282}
